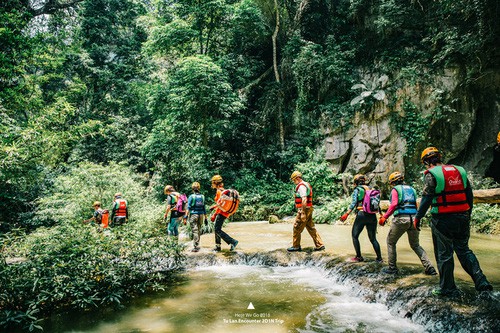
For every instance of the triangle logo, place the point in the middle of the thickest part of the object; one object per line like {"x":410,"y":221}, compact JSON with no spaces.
{"x":250,"y":306}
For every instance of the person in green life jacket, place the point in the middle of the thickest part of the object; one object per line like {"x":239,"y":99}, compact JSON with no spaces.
{"x":175,"y":216}
{"x":403,"y":204}
{"x":448,"y":192}
{"x":197,"y":214}
{"x":362,"y":219}
{"x":119,"y":211}
{"x":304,"y":205}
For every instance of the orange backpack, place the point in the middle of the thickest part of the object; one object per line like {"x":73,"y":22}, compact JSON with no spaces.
{"x":105,"y":218}
{"x":229,"y":201}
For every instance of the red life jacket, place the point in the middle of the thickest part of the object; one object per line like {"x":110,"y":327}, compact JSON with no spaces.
{"x":121,"y":211}
{"x":298,"y":199}
{"x":451,"y":182}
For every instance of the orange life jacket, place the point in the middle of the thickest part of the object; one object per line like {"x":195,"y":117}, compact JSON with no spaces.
{"x":298,"y":198}
{"x":122,"y":208}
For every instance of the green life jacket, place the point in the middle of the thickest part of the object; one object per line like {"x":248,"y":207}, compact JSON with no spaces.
{"x":451,"y":181}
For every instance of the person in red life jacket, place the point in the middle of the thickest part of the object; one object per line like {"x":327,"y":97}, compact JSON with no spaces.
{"x":362,"y":219}
{"x":219,"y":216}
{"x":304,"y":205}
{"x":448,"y":192}
{"x":119,"y":211}
{"x":175,"y":216}
{"x":403,"y":204}
{"x":197,"y":213}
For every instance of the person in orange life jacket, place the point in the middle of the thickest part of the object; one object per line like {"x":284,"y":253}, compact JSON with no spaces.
{"x":197,"y":213}
{"x":175,"y":216}
{"x":303,"y":203}
{"x":219,"y":216}
{"x":497,"y":147}
{"x":96,"y":217}
{"x":448,"y":192}
{"x":362,"y":219}
{"x":403,"y":204}
{"x":119,"y":211}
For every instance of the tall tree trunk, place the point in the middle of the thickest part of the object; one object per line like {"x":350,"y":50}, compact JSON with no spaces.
{"x":277,"y":77}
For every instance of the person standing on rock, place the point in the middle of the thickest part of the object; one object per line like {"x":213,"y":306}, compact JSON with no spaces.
{"x":175,"y":216}
{"x":403,"y":204}
{"x":448,"y":192}
{"x":219,"y":216}
{"x":303,"y":203}
{"x":362,"y":219}
{"x":197,"y":213}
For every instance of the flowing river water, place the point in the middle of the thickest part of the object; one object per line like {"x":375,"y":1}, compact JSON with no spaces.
{"x":251,"y":291}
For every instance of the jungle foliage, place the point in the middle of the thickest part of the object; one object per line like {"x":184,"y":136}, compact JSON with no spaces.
{"x":101,"y":96}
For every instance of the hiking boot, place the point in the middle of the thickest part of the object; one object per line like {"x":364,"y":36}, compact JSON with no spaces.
{"x":389,"y":270}
{"x":379,"y":260}
{"x":294,"y":249}
{"x":485,"y":287}
{"x":195,"y":249}
{"x":357,"y":259}
{"x":446,"y":293}
{"x":216,"y":248}
{"x":430,"y":271}
{"x":321,"y":248}
{"x":234,"y":245}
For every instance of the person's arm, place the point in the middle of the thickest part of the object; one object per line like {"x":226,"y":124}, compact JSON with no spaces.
{"x":126,"y":211}
{"x":169,"y":206}
{"x":393,"y":205}
{"x":469,"y":195}
{"x":428,"y":194}
{"x":354,"y":203}
{"x":113,"y":210}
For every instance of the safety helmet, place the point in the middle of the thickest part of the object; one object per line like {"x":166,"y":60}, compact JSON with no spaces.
{"x":296,"y":174}
{"x":359,"y":178}
{"x":429,"y":152}
{"x":217,"y":179}
{"x":498,"y":138}
{"x":395,"y":176}
{"x":96,"y":204}
{"x":195,"y":186}
{"x":118,"y":195}
{"x":168,"y":188}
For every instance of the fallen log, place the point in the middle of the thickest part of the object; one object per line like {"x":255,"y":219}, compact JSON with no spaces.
{"x":480,"y":196}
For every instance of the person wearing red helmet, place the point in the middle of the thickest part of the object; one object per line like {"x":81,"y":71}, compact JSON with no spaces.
{"x":448,"y":192}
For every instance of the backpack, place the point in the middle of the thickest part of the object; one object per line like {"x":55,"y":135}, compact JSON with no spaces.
{"x":371,"y":201}
{"x":229,"y":201}
{"x":181,"y":203}
{"x":199,"y":203}
{"x":105,"y":218}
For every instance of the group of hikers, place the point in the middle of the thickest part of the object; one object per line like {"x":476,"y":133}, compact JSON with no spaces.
{"x":447,"y":192}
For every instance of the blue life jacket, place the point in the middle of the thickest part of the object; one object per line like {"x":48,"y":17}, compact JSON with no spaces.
{"x":407,"y":200}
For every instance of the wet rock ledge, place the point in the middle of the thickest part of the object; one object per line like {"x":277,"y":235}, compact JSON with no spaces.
{"x":407,"y":294}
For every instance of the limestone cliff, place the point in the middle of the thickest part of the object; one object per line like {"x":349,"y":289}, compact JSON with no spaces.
{"x":460,"y":119}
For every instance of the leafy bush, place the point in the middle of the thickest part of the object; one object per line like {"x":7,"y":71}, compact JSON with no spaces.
{"x":72,"y":265}
{"x":486,"y":218}
{"x":330,"y":211}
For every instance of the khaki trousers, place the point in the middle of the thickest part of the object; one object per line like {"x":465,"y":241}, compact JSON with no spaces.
{"x":304,"y":220}
{"x":403,"y":224}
